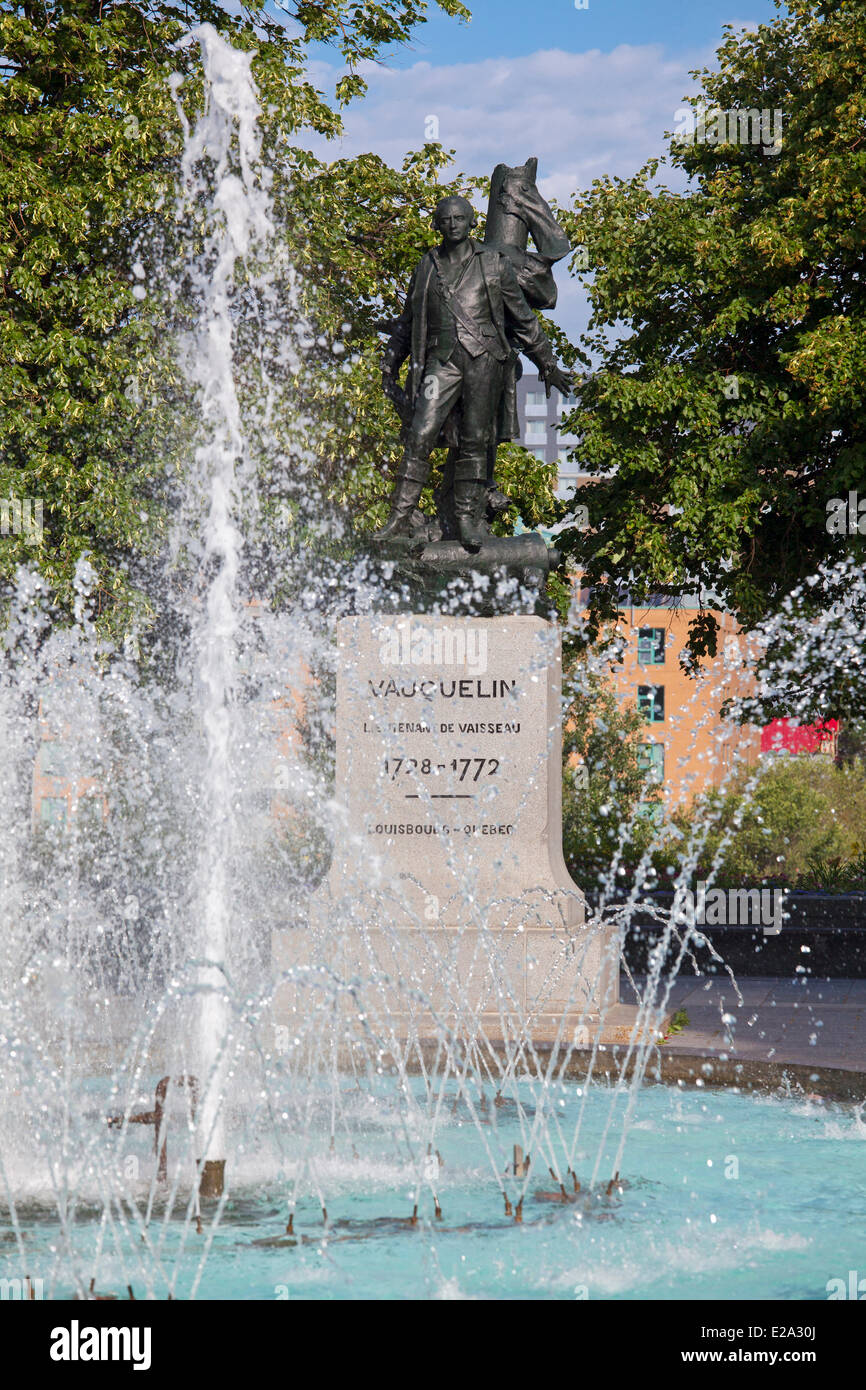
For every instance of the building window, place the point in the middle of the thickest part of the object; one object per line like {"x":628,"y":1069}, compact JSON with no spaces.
{"x":652,"y":810}
{"x":651,"y":646}
{"x":651,"y":703}
{"x":52,"y":810}
{"x":89,"y":813}
{"x":540,"y":454}
{"x":53,"y":759}
{"x":536,"y":398}
{"x":536,"y":429}
{"x":651,"y":759}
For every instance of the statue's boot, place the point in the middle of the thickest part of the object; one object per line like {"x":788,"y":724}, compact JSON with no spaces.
{"x":497,"y":500}
{"x":411,"y":481}
{"x":470,"y":491}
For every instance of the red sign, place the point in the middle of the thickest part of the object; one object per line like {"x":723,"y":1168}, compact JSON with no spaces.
{"x":799,"y":738}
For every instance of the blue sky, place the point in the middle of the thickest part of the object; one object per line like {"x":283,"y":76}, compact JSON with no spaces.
{"x":590,"y":92}
{"x":508,"y":28}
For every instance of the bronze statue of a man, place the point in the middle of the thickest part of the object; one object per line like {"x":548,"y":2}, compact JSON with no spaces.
{"x":464,"y":304}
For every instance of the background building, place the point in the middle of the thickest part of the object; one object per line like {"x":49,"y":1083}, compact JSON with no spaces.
{"x":689,"y":745}
{"x":540,"y":428}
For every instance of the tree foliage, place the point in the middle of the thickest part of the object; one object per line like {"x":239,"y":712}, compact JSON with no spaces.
{"x":608,"y":794}
{"x":728,"y":327}
{"x":803,"y":815}
{"x":95,"y":406}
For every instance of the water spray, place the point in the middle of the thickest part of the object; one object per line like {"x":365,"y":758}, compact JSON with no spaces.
{"x":220,"y":170}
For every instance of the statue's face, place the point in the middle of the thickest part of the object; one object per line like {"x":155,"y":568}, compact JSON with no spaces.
{"x":454,"y":219}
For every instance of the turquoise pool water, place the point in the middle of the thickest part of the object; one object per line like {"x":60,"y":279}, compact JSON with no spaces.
{"x":721,"y":1196}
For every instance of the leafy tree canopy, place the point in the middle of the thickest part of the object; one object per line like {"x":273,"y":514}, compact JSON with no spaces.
{"x":92,"y":396}
{"x":610,"y":795}
{"x":797,"y":822}
{"x":729,"y":336}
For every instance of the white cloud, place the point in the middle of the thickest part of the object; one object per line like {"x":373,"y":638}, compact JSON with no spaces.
{"x":583,"y":114}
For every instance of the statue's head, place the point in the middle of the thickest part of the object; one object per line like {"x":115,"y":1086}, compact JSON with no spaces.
{"x":454,"y":218}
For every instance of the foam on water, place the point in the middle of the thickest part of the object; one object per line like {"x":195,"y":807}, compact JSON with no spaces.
{"x":765,"y":1234}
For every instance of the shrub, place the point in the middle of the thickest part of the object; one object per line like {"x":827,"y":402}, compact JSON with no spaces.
{"x":802,"y":824}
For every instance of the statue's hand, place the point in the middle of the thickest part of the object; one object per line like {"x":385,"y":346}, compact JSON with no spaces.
{"x":555,"y":376}
{"x":512,"y":202}
{"x":394,"y":391}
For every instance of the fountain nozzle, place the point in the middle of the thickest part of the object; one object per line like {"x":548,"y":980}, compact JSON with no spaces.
{"x":212,"y":1180}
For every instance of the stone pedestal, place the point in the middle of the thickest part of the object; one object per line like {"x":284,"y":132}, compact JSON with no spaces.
{"x":448,"y":900}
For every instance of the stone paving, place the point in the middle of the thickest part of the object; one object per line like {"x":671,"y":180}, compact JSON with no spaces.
{"x":801,"y":1021}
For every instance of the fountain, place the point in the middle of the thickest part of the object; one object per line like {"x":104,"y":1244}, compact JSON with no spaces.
{"x":218,"y":1080}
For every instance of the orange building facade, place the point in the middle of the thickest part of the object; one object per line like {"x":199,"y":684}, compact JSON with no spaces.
{"x":689,"y":745}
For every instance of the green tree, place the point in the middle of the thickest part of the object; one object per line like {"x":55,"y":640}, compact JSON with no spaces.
{"x":609,"y":793}
{"x":729,"y":332}
{"x":790,"y":824}
{"x":93,"y":400}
